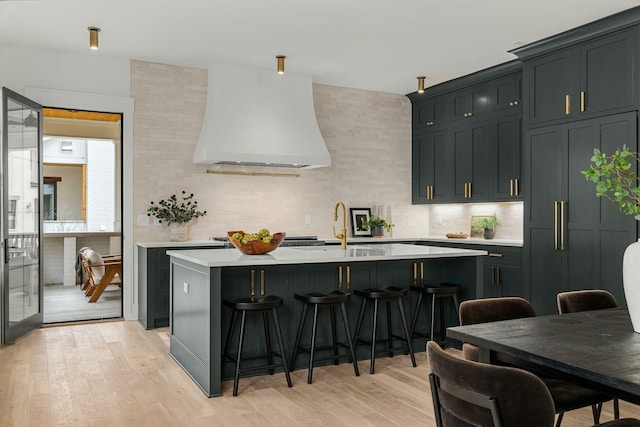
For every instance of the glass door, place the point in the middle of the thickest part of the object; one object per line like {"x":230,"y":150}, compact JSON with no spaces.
{"x":21,"y":285}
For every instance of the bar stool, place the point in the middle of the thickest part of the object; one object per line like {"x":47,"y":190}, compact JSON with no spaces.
{"x":317,"y":300}
{"x":375,"y":295}
{"x":437,"y":292}
{"x":255,"y":305}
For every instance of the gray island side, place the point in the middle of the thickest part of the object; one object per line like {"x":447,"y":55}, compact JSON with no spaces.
{"x":200,"y":279}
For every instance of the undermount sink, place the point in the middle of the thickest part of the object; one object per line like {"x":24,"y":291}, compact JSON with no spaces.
{"x":350,"y":251}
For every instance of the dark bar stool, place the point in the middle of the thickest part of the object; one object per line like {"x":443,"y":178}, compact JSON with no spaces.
{"x":437,"y":292}
{"x":255,"y":305}
{"x":375,"y":295}
{"x":330,"y":300}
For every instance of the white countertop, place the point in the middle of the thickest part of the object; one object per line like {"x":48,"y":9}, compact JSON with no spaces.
{"x":319,"y":254}
{"x":350,"y":240}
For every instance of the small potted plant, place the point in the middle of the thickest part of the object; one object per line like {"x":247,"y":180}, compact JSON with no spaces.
{"x":377,"y":225}
{"x":177,"y":214}
{"x":488,"y":224}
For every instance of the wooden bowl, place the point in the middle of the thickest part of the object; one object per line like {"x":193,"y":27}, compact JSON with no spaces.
{"x":256,"y":247}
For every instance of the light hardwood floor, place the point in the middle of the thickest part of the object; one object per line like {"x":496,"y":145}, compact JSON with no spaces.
{"x":118,"y":374}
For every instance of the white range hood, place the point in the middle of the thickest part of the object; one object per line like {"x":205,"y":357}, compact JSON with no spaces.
{"x":259,"y":118}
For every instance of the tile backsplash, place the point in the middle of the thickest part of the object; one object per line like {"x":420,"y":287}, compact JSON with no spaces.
{"x":452,"y":218}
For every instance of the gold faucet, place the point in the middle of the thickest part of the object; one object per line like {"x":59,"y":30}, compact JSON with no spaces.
{"x":343,"y":234}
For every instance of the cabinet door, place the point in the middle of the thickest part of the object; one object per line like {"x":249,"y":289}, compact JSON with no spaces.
{"x":470,"y":102}
{"x":607,"y":70}
{"x":432,"y":167}
{"x":505,"y":158}
{"x":543,"y":168}
{"x":431,"y":112}
{"x":549,"y":81}
{"x":471,"y":154}
{"x":507,"y":93}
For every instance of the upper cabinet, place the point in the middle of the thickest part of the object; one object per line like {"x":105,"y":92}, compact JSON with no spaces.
{"x":583,"y":80}
{"x":431,"y":112}
{"x":507,"y":93}
{"x":470,"y":102}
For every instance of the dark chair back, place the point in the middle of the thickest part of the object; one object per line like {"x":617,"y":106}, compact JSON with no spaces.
{"x":591,"y":299}
{"x":491,"y":310}
{"x":467,"y":393}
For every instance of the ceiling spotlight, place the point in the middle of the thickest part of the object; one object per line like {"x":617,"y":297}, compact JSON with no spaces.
{"x":421,"y":84}
{"x":93,"y":37}
{"x":280,"y":63}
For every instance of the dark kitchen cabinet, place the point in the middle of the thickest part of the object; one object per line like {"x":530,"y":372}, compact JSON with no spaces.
{"x":505,"y":161}
{"x":471,"y":161}
{"x":432,"y":164}
{"x":503,"y":272}
{"x":507,"y":93}
{"x":471,"y":102}
{"x":431,"y":112}
{"x":573,"y":239}
{"x":584,"y":80}
{"x":153,"y":284}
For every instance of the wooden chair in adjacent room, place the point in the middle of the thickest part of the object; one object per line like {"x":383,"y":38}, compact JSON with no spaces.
{"x":468,"y":393}
{"x":566,"y":396}
{"x":589,"y":299}
{"x":101,"y":271}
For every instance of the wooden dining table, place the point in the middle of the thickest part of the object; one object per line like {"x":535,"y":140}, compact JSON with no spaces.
{"x":596,"y":349}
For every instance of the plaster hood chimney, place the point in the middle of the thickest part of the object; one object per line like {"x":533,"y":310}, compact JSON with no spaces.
{"x":256,"y":117}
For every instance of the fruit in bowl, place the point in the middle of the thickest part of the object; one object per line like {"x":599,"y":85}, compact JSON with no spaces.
{"x":258,"y":243}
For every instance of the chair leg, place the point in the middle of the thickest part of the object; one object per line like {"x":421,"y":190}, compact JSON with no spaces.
{"x":312,"y":348}
{"x":334,"y":334}
{"x":406,"y":332}
{"x":345,"y":322}
{"x":267,"y":340}
{"x":559,"y":420}
{"x":373,"y":336}
{"x":616,"y":408}
{"x":433,"y":317}
{"x":359,"y":322}
{"x":283,"y":355}
{"x":303,"y":318}
{"x":416,"y":312}
{"x":236,"y":378}
{"x":595,"y":409}
{"x":389,"y":332}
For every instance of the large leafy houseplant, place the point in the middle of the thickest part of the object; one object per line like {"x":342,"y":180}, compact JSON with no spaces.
{"x":616,"y":179}
{"x":176,"y":211}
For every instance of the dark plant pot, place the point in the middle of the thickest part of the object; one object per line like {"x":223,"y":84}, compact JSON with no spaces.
{"x":377,"y":231}
{"x":488,"y":233}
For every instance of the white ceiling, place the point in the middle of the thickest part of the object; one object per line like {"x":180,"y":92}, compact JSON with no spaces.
{"x":377,"y":45}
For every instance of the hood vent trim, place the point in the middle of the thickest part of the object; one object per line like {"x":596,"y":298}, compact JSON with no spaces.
{"x":256,"y":117}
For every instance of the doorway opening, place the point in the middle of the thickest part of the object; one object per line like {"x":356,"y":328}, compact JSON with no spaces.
{"x":82,"y":215}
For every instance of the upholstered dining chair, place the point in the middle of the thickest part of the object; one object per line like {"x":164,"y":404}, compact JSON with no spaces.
{"x":566,"y":396}
{"x":585,"y":300}
{"x":468,"y":393}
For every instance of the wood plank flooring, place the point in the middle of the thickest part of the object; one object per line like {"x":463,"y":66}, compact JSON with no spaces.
{"x":118,"y":374}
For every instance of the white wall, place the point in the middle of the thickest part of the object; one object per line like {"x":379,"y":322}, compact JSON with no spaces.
{"x":101,"y":171}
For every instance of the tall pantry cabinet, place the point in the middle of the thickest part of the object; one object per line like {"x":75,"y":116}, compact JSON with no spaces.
{"x":581,"y":93}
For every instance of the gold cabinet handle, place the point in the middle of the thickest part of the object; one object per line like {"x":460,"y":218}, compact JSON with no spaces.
{"x":493,"y":275}
{"x":339,"y":277}
{"x":562,"y":209}
{"x":348,"y":277}
{"x":470,"y":192}
{"x":415,"y":273}
{"x":511,"y":187}
{"x":497,"y":275}
{"x":253,"y":283}
{"x":567,"y":104}
{"x":422,"y":272}
{"x":516,"y":187}
{"x":261,"y":282}
{"x":582,"y":99}
{"x":555,"y":225}
{"x":432,"y":196}
{"x":470,"y":114}
{"x":466,"y":192}
{"x":495,"y":255}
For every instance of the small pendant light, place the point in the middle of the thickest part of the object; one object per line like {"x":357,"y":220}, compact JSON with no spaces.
{"x":93,"y":37}
{"x":420,"y":84}
{"x":280,"y":63}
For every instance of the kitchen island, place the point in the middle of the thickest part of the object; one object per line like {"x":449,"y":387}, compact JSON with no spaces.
{"x":200,"y":279}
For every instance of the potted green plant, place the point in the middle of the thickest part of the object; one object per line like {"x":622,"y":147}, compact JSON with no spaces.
{"x":177,"y":213}
{"x":377,"y":225}
{"x":488,"y":224}
{"x":616,"y":180}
